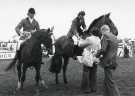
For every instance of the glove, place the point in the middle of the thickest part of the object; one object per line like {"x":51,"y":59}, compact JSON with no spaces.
{"x":99,"y":53}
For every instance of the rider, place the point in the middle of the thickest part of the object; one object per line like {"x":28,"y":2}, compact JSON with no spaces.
{"x":29,"y":25}
{"x":77,"y":27}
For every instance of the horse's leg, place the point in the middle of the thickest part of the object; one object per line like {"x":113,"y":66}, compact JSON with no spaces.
{"x":19,"y":75}
{"x":23,"y":74}
{"x":38,"y":77}
{"x":57,"y":78}
{"x":66,"y":59}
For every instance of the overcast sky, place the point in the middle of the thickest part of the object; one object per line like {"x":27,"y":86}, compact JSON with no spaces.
{"x":60,"y":13}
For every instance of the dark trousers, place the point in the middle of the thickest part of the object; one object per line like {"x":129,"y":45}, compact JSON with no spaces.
{"x":110,"y":88}
{"x":89,"y":78}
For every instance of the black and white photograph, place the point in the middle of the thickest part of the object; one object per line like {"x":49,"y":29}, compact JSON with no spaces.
{"x":67,"y":48}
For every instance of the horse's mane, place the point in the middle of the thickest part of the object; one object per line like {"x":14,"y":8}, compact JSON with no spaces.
{"x":40,"y":33}
{"x":103,"y":19}
{"x":95,"y":23}
{"x":113,"y":28}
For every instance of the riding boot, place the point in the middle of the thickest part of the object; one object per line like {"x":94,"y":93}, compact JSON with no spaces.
{"x":17,"y":54}
{"x":75,"y":57}
{"x":75,"y":52}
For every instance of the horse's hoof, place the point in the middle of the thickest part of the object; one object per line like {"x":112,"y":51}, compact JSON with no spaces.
{"x":57,"y":82}
{"x":42,"y":84}
{"x":37,"y":93}
{"x":66,"y":82}
{"x":19,"y":89}
{"x":19,"y":86}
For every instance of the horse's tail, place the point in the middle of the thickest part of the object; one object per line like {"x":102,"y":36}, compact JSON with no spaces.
{"x":13,"y":62}
{"x":56,"y":64}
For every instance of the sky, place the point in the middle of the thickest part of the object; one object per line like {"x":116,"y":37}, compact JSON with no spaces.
{"x":60,"y":13}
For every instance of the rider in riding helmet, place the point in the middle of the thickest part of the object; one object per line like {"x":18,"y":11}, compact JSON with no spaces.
{"x":29,"y":26}
{"x":78,"y":25}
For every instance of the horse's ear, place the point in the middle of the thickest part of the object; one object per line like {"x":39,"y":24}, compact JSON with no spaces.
{"x":48,"y":30}
{"x":52,"y":28}
{"x":108,"y":15}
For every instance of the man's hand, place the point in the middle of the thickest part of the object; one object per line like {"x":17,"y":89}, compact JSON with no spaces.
{"x":32,"y":31}
{"x":96,"y":60}
{"x":18,"y":34}
{"x":99,"y":53}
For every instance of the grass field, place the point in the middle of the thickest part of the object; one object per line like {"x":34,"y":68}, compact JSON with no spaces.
{"x":124,"y":76}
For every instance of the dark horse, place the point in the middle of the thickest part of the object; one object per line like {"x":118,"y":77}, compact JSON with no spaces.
{"x":65,"y":49}
{"x":30,"y":55}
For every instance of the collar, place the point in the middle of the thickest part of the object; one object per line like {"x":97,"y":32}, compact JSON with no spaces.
{"x":31,"y":20}
{"x":102,"y":37}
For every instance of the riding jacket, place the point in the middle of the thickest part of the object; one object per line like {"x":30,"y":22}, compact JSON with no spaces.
{"x":76,"y":27}
{"x":27,"y":25}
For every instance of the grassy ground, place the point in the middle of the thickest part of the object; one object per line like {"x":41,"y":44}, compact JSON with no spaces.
{"x":124,"y":76}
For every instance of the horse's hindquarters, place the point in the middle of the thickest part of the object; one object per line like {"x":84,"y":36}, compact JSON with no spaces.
{"x":64,"y":46}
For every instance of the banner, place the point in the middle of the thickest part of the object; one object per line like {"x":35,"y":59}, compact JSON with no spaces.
{"x":7,"y":55}
{"x":7,"y":50}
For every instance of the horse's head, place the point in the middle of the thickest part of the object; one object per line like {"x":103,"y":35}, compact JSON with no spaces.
{"x":95,"y":26}
{"x":45,"y":37}
{"x":98,"y":23}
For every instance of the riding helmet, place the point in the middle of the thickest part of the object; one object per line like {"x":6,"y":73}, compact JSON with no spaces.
{"x":31,"y":10}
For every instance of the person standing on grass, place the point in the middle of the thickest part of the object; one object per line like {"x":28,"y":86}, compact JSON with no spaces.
{"x":90,"y":61}
{"x":108,"y":61}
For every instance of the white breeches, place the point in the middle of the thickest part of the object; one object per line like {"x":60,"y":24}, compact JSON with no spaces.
{"x":19,"y":44}
{"x":75,"y":39}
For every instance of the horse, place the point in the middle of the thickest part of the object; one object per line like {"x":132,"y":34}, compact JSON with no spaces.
{"x":30,"y":55}
{"x":64,"y":47}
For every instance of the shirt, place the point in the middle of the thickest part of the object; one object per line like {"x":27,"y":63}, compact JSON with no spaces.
{"x":89,"y":53}
{"x":31,"y":20}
